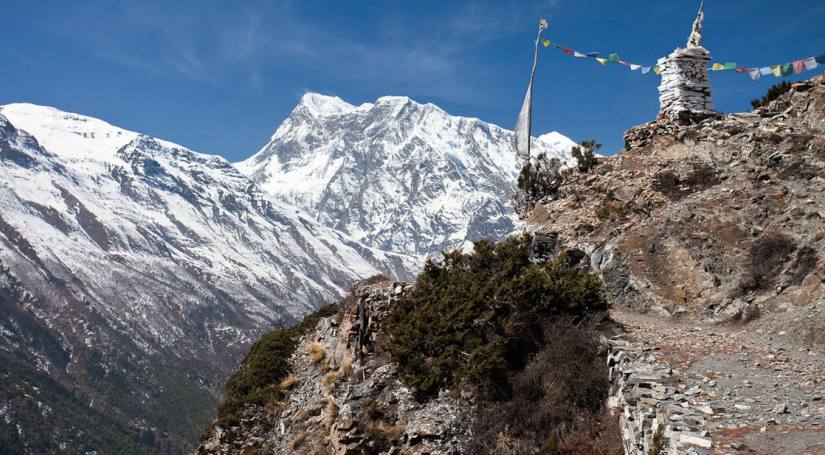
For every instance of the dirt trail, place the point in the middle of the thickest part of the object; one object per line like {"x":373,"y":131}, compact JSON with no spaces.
{"x":767,"y":395}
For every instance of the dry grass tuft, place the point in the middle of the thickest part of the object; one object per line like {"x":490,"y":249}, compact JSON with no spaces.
{"x":317,"y":352}
{"x":299,"y":440}
{"x":388,"y":432}
{"x":346,"y":366}
{"x":329,"y":380}
{"x":332,"y":412}
{"x":288,"y":383}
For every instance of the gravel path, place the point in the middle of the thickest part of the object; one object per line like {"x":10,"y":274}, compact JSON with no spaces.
{"x":767,"y":395}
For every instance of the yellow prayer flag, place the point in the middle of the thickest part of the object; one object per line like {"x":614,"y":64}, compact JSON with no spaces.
{"x":777,"y":70}
{"x":657,"y":70}
{"x":603,"y":61}
{"x":545,"y":42}
{"x":717,"y":67}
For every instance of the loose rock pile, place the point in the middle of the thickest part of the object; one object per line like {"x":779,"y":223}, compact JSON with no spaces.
{"x":684,"y":93}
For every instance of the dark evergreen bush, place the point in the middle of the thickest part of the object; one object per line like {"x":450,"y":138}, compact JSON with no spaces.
{"x":773,"y":93}
{"x":585,"y":154}
{"x":473,"y":318}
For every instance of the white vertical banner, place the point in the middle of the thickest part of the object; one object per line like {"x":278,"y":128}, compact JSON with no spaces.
{"x":521,"y":140}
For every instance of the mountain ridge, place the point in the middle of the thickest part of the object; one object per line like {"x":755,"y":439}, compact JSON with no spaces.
{"x":349,"y":167}
{"x":152,"y":267}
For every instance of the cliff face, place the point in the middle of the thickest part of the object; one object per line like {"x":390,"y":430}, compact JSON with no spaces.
{"x":720,"y":219}
{"x":344,"y":398}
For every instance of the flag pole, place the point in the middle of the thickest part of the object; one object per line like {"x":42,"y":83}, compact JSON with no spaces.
{"x":521,"y":139}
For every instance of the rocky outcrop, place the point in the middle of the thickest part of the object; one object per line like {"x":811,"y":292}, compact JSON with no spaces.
{"x":711,"y":218}
{"x":346,"y":397}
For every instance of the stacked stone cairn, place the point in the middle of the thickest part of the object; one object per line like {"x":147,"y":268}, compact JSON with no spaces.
{"x":684,"y":93}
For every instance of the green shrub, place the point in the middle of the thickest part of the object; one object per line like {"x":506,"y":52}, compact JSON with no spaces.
{"x":585,"y":155}
{"x":557,"y":401}
{"x":540,"y":177}
{"x":264,"y":367}
{"x":475,"y":317}
{"x":773,"y":93}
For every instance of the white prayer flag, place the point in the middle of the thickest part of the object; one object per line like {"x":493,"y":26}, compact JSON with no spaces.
{"x":634,"y":67}
{"x":578,"y":54}
{"x":766,"y":71}
{"x":521,"y":140}
{"x":810,"y":63}
{"x":755,"y":74}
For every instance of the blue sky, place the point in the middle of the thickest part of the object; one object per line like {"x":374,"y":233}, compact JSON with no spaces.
{"x":219,"y":76}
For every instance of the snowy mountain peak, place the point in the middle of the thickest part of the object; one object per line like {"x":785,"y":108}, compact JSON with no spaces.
{"x":325,"y":105}
{"x":396,"y":174}
{"x":70,"y":135}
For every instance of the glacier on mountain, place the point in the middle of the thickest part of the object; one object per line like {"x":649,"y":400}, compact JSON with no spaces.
{"x":396,"y":174}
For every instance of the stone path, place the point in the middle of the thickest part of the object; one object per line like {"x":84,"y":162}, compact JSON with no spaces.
{"x":755,"y":392}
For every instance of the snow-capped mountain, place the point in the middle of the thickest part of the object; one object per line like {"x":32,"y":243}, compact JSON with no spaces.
{"x":395,"y":174}
{"x":133,"y":265}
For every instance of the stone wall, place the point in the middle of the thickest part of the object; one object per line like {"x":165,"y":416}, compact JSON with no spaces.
{"x":656,"y":416}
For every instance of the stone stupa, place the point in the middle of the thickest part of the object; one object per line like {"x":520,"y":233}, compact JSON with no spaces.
{"x":684,"y":93}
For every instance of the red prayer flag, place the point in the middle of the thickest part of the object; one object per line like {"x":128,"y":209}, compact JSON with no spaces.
{"x":799,"y":66}
{"x":568,"y":51}
{"x":742,"y":70}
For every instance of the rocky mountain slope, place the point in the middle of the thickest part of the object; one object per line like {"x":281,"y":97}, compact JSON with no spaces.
{"x":351,"y":400}
{"x":135,"y":272}
{"x":712,"y":219}
{"x":395,"y":174}
{"x":718,"y":225}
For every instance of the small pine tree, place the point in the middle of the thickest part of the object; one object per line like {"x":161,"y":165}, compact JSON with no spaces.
{"x":773,"y":93}
{"x":585,"y":154}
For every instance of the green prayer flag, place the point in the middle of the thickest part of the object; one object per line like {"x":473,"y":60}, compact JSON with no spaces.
{"x":730,"y":66}
{"x":613,"y":58}
{"x":787,"y":69}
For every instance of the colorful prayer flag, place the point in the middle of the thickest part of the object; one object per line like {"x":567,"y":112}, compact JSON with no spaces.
{"x":743,"y":70}
{"x":787,"y":69}
{"x":777,"y":70}
{"x":613,"y":58}
{"x":717,"y":67}
{"x":730,"y":66}
{"x":810,"y":63}
{"x":546,"y":42}
{"x":578,"y":54}
{"x":603,"y":61}
{"x":765,"y":71}
{"x":592,"y":54}
{"x":634,"y":67}
{"x":755,"y":74}
{"x":657,"y":70}
{"x":798,"y":66}
{"x":646,"y":70}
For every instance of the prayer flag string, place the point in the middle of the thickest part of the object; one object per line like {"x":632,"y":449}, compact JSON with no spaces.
{"x":785,"y":69}
{"x":611,"y":58}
